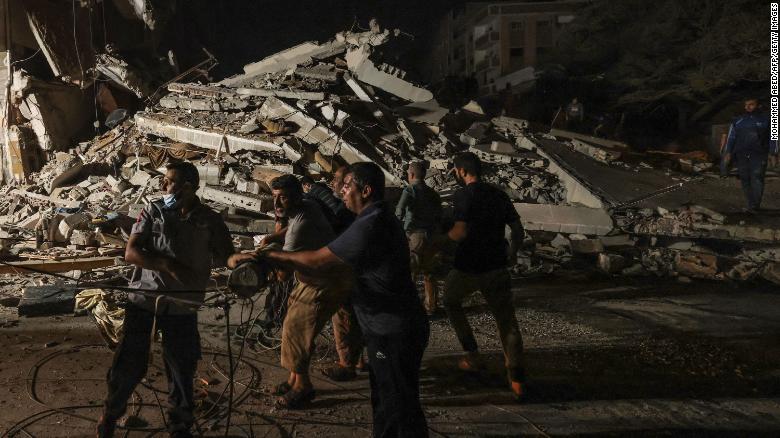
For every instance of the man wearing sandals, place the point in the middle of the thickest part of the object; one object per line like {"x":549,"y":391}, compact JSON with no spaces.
{"x":388,"y":309}
{"x":313,"y":300}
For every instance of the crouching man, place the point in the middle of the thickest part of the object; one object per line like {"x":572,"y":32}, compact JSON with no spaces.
{"x":173,"y":245}
{"x":388,"y":309}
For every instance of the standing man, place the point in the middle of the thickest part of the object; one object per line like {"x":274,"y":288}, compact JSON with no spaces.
{"x":346,"y":330}
{"x":173,"y":245}
{"x":313,"y":299}
{"x":575,"y":115}
{"x":481,"y":214}
{"x":748,"y":143}
{"x":386,"y":304}
{"x":420,"y":212}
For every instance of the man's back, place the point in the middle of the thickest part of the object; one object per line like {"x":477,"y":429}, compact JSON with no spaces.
{"x":486,"y":211}
{"x":421,"y":207}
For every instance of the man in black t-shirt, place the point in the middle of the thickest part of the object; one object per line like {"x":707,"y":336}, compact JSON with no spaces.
{"x":388,"y":309}
{"x":481,"y":214}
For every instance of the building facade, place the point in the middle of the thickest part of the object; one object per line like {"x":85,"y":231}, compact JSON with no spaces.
{"x":500,"y":43}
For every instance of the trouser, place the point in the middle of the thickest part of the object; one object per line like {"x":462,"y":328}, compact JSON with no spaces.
{"x":496,"y":288}
{"x":276,"y":300}
{"x":181,"y":352}
{"x":395,"y":381}
{"x":420,"y":252}
{"x":752,"y":168}
{"x":347,"y":334}
{"x":309,"y":308}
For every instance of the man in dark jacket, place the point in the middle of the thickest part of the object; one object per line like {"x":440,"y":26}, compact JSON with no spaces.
{"x":748,"y":143}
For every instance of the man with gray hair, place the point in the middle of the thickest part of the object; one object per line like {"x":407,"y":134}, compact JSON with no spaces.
{"x":313,"y":300}
{"x":420,"y":211}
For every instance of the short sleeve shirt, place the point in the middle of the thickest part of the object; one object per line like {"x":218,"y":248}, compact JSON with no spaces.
{"x":308,"y":229}
{"x":486,"y":210}
{"x":199,"y":240}
{"x":376,"y":248}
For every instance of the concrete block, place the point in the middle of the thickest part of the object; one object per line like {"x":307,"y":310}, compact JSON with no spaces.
{"x":611,"y":263}
{"x":565,"y":219}
{"x":696,"y":265}
{"x":47,"y":300}
{"x":70,"y":223}
{"x":209,"y":174}
{"x":83,"y":238}
{"x":140,"y":178}
{"x":586,"y":246}
{"x":117,"y":185}
{"x":620,"y":240}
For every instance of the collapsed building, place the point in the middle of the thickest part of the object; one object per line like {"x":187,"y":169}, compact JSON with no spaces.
{"x":585,"y":202}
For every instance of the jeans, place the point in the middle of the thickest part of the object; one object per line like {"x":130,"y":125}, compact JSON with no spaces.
{"x":752,"y":168}
{"x":496,"y":288}
{"x":181,"y":352}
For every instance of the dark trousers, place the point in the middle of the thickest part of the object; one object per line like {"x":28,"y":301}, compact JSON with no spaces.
{"x":181,"y":351}
{"x":752,"y":168}
{"x":496,"y":288}
{"x":395,"y":381}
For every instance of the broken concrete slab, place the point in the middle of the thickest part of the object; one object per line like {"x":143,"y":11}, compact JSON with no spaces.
{"x":287,"y":94}
{"x":257,"y":204}
{"x":47,"y":300}
{"x":589,"y":139}
{"x":586,"y":246}
{"x":39,"y":197}
{"x":303,"y":53}
{"x":123,"y":74}
{"x":366,"y":71}
{"x":162,"y":126}
{"x":577,"y":192}
{"x":66,"y":47}
{"x":310,"y":131}
{"x":598,"y":154}
{"x":565,"y":219}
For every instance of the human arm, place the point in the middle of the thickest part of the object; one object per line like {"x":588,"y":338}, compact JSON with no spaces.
{"x":136,"y":255}
{"x":403,"y":202}
{"x":314,"y":263}
{"x":516,"y":240}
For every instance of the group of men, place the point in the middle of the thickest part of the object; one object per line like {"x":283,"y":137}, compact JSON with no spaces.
{"x":352,"y":259}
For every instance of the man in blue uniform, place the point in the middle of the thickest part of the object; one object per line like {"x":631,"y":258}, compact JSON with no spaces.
{"x":173,"y":245}
{"x":748,"y":143}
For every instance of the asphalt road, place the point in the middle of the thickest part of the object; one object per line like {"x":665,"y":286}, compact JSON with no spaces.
{"x":627,"y":357}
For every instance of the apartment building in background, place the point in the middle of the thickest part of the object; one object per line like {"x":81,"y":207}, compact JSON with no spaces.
{"x":499,"y":43}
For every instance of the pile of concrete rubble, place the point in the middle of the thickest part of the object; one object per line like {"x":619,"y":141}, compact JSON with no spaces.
{"x":312,"y":108}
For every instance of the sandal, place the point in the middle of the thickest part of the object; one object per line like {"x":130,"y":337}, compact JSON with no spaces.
{"x":282,"y":388}
{"x":295,"y":399}
{"x":339,"y":373}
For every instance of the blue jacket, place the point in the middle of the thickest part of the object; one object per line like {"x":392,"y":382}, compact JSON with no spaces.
{"x":750,"y":134}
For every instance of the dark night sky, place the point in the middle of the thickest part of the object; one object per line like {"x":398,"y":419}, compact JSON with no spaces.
{"x":243,"y":31}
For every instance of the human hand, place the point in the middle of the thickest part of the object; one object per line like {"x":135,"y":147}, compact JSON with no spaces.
{"x":238,"y":258}
{"x":173,"y":268}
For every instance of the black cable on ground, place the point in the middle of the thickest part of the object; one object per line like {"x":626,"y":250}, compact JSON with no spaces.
{"x":68,"y":410}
